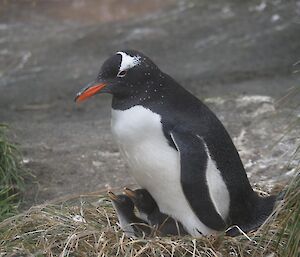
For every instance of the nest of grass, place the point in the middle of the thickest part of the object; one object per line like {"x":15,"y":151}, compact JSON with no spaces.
{"x":87,"y":226}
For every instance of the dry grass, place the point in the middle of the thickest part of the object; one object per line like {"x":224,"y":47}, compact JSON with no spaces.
{"x":86,"y":226}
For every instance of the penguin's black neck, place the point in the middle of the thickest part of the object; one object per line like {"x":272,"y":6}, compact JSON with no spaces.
{"x":150,"y":93}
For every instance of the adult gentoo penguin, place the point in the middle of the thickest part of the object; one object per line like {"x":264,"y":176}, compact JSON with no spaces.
{"x":176,"y":147}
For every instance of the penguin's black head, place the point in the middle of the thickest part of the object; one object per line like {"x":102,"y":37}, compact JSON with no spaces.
{"x":142,"y":199}
{"x":122,"y":203}
{"x":126,"y":74}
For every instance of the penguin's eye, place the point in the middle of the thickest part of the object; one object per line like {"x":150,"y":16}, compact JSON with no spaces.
{"x":122,"y":73}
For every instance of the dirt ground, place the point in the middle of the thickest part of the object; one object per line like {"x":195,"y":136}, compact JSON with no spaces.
{"x":238,"y":57}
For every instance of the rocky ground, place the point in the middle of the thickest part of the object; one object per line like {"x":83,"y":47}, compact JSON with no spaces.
{"x":236,"y":56}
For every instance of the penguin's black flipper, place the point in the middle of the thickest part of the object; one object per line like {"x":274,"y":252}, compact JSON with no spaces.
{"x":193,"y":161}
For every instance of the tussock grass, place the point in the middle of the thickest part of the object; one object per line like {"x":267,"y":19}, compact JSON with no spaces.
{"x":86,"y":226}
{"x":11,"y":175}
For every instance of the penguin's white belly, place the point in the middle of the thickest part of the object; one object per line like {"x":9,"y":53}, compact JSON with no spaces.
{"x":154,"y":164}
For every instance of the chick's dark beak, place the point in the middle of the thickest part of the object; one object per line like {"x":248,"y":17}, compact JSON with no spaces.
{"x":130,"y":193}
{"x":112,"y":196}
{"x":91,"y":89}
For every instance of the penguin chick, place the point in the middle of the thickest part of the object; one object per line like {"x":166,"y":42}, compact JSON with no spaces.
{"x":128,"y":221}
{"x":150,"y":212}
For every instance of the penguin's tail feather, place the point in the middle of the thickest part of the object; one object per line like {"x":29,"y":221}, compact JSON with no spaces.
{"x":262,"y":211}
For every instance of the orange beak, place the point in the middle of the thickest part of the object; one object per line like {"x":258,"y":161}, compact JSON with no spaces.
{"x":90,"y":90}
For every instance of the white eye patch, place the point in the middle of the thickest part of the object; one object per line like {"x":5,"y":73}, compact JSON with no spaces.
{"x":128,"y":61}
